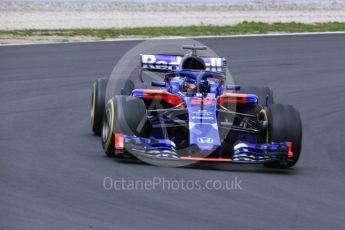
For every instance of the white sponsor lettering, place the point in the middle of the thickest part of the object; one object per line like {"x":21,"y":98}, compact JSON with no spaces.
{"x":205,"y":140}
{"x":150,"y":62}
{"x":202,"y":118}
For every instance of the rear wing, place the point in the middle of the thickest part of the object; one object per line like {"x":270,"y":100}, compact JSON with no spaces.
{"x":165,"y":63}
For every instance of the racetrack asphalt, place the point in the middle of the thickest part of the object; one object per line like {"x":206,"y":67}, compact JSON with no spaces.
{"x":52,"y":168}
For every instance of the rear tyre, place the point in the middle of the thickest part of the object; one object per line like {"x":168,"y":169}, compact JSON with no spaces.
{"x":98,"y":99}
{"x":97,"y":104}
{"x":263,"y":94}
{"x":126,"y":115}
{"x":284,"y":124}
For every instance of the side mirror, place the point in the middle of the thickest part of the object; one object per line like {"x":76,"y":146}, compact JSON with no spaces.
{"x":158,"y":83}
{"x":232,"y":87}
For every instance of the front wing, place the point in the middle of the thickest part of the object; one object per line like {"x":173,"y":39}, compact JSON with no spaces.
{"x":164,"y":149}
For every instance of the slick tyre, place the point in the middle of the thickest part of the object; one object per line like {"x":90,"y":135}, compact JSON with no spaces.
{"x":98,"y":98}
{"x":284,"y":124}
{"x":97,"y":104}
{"x":125,"y":115}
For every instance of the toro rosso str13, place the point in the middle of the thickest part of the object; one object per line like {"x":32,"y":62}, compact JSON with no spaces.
{"x":192,"y":114}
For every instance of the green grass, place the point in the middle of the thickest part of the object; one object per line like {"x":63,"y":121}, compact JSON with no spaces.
{"x":242,"y":28}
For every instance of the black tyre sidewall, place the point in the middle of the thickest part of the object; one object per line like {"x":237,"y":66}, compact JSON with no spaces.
{"x":129,"y":118}
{"x":285,"y":125}
{"x":98,"y":92}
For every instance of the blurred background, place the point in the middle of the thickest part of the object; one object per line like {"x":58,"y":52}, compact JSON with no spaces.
{"x":19,"y":15}
{"x":62,"y":14}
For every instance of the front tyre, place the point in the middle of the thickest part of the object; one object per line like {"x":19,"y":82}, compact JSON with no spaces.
{"x":284,"y":124}
{"x":126,"y":115}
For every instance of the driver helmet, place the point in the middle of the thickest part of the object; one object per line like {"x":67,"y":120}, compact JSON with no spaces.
{"x":190,"y":85}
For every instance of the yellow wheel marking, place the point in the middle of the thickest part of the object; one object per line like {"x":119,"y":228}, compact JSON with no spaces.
{"x":111,"y":119}
{"x":93,"y":107}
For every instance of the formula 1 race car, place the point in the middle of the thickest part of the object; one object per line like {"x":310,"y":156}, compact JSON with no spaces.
{"x":193,"y":115}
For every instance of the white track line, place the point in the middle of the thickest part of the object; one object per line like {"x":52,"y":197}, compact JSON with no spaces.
{"x":180,"y":37}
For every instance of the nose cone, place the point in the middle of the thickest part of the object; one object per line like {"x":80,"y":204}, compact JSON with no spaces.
{"x":203,"y":127}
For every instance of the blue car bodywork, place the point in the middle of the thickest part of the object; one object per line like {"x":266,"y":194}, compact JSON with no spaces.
{"x":190,"y":125}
